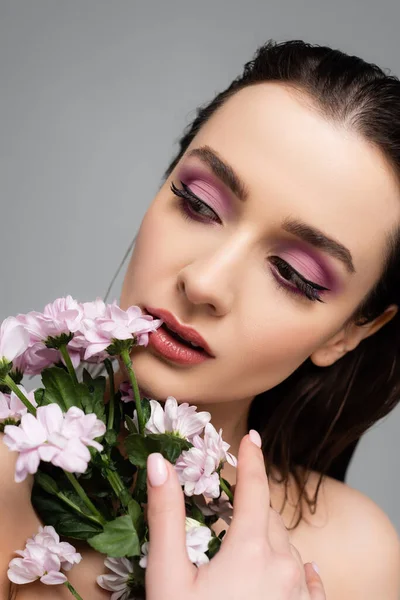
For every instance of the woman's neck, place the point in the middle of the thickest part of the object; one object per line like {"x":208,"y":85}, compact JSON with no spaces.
{"x":229,"y":416}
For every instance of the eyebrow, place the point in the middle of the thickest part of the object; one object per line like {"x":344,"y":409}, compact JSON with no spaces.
{"x":309,"y":234}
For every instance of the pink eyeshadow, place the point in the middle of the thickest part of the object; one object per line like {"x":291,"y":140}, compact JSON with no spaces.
{"x":308,"y":266}
{"x":207,"y":188}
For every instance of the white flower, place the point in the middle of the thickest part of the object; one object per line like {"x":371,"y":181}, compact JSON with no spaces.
{"x":182,"y":420}
{"x":197,"y":467}
{"x":49,"y":538}
{"x":117,"y":324}
{"x":218,"y":506}
{"x":119,"y":580}
{"x":52,"y":436}
{"x":198,"y":537}
{"x":14,"y":339}
{"x":11,"y":406}
{"x":42,"y":558}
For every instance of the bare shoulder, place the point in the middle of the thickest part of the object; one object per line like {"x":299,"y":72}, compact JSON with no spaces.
{"x":355,"y":543}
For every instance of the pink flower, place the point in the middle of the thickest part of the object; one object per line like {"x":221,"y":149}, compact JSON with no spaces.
{"x":198,"y":537}
{"x":54,"y":437}
{"x":61,"y":316}
{"x":64,"y":315}
{"x":42,"y":558}
{"x":218,"y":506}
{"x":11,"y":406}
{"x":14,"y":339}
{"x":126,"y":392}
{"x":119,"y":580}
{"x":91,"y":312}
{"x":197,"y":467}
{"x":181,"y":420}
{"x":49,"y":538}
{"x":118,"y":324}
{"x":37,"y":563}
{"x":37,"y":356}
{"x":83,"y":427}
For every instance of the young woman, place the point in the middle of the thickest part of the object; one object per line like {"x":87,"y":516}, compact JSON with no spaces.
{"x":275,"y":236}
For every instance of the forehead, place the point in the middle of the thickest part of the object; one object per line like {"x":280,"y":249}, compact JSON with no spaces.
{"x":295,"y":162}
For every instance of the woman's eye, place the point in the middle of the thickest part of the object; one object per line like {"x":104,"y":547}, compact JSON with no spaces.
{"x":295,"y":283}
{"x":193,"y":207}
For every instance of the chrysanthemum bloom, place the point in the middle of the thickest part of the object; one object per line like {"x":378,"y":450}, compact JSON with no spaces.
{"x":127,"y":393}
{"x":217,"y":506}
{"x":198,"y":537}
{"x":197,"y":467}
{"x":42,"y":558}
{"x":54,"y":437}
{"x":118,"y":324}
{"x":119,"y":580}
{"x":14,"y":339}
{"x":181,"y":420}
{"x":11,"y":407}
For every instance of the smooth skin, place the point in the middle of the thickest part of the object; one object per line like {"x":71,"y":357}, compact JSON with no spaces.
{"x":257,"y":553}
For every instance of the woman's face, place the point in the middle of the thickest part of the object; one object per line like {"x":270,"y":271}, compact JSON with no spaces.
{"x":225,"y":265}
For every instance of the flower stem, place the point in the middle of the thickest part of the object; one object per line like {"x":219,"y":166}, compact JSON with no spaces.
{"x":78,"y":510}
{"x":72,"y":590}
{"x":68,"y":362}
{"x":116,"y":483}
{"x":13,"y":386}
{"x":226,"y":490}
{"x":83,"y":496}
{"x":111,"y":403}
{"x":127,"y":362}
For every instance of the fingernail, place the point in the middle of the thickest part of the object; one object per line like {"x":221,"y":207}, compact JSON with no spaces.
{"x":315,"y":567}
{"x":255,"y":437}
{"x":156,"y":469}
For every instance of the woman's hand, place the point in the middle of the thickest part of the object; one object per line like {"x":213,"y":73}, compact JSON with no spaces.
{"x":255,"y":561}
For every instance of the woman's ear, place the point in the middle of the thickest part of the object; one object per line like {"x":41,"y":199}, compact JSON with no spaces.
{"x":349,"y":337}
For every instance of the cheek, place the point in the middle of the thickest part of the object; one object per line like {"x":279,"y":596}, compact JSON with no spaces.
{"x":271,"y":350}
{"x":153,"y":256}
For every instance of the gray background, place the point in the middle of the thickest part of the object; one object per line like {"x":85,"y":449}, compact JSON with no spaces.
{"x":93,"y":98}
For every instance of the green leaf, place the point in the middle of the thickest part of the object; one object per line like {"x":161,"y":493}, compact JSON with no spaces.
{"x":59,"y":388}
{"x":96,"y":389}
{"x":39,"y":396}
{"x":73,"y":527}
{"x":195,"y":513}
{"x":136,"y":514}
{"x":146,"y":409}
{"x":118,"y":539}
{"x":213,"y":546}
{"x":111,"y":437}
{"x":53,"y":511}
{"x":47,"y":483}
{"x":140,"y":492}
{"x":131,"y":424}
{"x":171,"y":447}
{"x":139,"y":447}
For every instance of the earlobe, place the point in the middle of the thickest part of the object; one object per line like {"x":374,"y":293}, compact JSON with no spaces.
{"x":349,"y":337}
{"x":327,"y":355}
{"x":331,"y":351}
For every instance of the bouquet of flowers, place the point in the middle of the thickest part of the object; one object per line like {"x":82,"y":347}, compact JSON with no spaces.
{"x":88,"y":455}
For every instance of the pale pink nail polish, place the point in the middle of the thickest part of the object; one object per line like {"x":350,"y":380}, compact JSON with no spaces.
{"x":156,"y":469}
{"x":315,"y":567}
{"x":255,"y":437}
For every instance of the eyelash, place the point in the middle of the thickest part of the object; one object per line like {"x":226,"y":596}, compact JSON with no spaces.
{"x":192,"y":208}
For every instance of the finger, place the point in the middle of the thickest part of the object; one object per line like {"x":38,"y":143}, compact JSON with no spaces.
{"x":251,"y":501}
{"x":166,"y":518}
{"x":314,"y":583}
{"x":277,"y":533}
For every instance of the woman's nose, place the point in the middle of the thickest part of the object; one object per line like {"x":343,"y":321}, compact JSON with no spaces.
{"x":213,"y":280}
